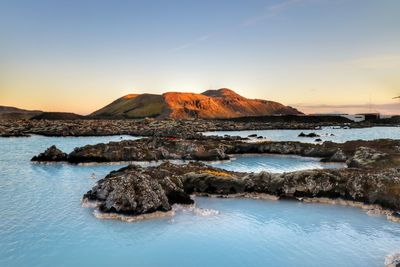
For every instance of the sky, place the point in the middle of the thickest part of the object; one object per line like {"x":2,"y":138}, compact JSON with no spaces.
{"x":316,"y":55}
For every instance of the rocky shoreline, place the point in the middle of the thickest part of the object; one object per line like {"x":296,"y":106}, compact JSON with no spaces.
{"x":381,"y":153}
{"x":153,"y":127}
{"x":134,"y":190}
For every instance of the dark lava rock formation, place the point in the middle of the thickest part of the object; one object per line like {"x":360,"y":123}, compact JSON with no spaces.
{"x":135,"y":190}
{"x":358,"y":154}
{"x":51,"y":154}
{"x":148,"y":149}
{"x":308,"y":135}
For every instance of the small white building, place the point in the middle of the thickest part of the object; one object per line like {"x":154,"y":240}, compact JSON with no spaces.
{"x":352,"y":117}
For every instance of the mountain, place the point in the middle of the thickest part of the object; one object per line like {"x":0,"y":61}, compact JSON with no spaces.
{"x":211,"y":104}
{"x":13,"y":113}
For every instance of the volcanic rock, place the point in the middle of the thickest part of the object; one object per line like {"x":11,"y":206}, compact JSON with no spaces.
{"x":51,"y":154}
{"x":367,"y":157}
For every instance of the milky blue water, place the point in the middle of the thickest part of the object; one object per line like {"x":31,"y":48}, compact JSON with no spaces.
{"x":274,"y":163}
{"x":340,"y":135}
{"x":257,"y":163}
{"x":42,"y":223}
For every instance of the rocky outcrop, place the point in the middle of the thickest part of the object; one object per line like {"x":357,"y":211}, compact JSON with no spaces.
{"x":365,"y":157}
{"x":206,"y":148}
{"x":51,"y":154}
{"x":136,"y":190}
{"x":377,"y":187}
{"x":148,"y":149}
{"x":218,"y":148}
{"x":312,"y":135}
{"x":132,"y":192}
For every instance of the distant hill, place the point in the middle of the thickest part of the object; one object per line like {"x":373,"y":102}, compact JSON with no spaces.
{"x":211,"y":104}
{"x":57,"y":116}
{"x":13,"y":113}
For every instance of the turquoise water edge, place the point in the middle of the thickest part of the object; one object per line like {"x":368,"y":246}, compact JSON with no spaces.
{"x":42,"y":221}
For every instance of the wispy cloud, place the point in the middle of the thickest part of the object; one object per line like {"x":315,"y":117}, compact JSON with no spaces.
{"x":193,"y":42}
{"x":270,"y":11}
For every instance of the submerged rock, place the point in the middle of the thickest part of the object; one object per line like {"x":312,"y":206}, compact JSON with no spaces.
{"x":51,"y":154}
{"x":308,"y":135}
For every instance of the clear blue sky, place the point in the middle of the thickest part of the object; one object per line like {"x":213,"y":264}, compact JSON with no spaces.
{"x":80,"y":55}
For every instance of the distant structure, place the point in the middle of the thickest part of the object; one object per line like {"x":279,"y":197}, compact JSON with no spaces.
{"x":371,"y":116}
{"x":352,"y":117}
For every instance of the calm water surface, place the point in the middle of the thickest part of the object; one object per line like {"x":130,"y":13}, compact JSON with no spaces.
{"x":42,"y":223}
{"x":339,"y":135}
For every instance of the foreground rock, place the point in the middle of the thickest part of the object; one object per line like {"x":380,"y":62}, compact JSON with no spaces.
{"x":135,"y":190}
{"x":131,"y":192}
